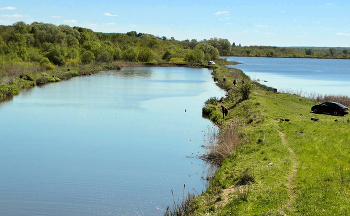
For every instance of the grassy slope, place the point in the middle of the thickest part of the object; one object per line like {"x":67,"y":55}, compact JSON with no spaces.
{"x":318,"y":152}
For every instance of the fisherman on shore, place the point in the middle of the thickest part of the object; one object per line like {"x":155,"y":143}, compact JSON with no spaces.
{"x":224,"y":111}
{"x":234,"y":82}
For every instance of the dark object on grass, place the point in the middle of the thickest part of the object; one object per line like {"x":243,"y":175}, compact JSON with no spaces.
{"x":234,"y":82}
{"x":336,"y":120}
{"x":274,"y":90}
{"x":330,"y":107}
{"x":287,"y":120}
{"x":224,"y":79}
{"x":314,"y":119}
{"x":224,"y":111}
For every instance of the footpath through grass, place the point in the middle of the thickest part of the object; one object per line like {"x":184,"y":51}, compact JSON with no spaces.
{"x":295,"y":167}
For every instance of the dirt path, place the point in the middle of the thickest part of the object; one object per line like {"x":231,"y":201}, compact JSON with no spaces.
{"x":291,"y":176}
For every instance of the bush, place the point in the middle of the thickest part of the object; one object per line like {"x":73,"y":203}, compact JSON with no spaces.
{"x":177,"y":61}
{"x":207,"y":110}
{"x":73,"y":62}
{"x":245,"y":90}
{"x":212,"y":101}
{"x":46,"y":64}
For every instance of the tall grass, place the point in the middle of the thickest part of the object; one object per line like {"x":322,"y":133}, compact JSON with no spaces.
{"x":220,"y":144}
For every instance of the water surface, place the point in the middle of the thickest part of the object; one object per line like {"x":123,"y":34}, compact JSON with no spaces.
{"x":324,"y":76}
{"x":114,"y":143}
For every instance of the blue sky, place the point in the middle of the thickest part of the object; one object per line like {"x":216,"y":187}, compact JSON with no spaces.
{"x":249,"y":22}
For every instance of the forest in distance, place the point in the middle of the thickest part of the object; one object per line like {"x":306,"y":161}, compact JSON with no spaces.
{"x":50,"y":45}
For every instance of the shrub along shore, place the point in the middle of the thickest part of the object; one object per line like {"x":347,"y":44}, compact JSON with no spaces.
{"x":272,"y":158}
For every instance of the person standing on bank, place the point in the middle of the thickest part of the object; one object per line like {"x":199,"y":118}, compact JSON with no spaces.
{"x":224,"y":111}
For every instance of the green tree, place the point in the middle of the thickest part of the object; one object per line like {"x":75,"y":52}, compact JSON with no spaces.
{"x":3,"y":47}
{"x":152,"y":42}
{"x":145,"y":54}
{"x":56,"y":54}
{"x":166,"y":56}
{"x":117,"y":54}
{"x":190,"y":56}
{"x":87,"y":56}
{"x":104,"y":56}
{"x":309,"y":52}
{"x":130,"y":54}
{"x":18,"y":38}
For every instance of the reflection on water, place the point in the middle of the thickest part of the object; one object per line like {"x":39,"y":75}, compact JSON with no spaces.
{"x":324,"y":76}
{"x":113,"y":143}
{"x":132,"y":72}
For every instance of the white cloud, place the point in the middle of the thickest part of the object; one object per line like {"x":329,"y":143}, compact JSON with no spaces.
{"x":261,"y":26}
{"x":343,"y":33}
{"x":282,"y":12}
{"x":92,"y":24}
{"x":224,"y":18}
{"x":56,"y":17}
{"x":133,"y":25}
{"x":9,"y":16}
{"x":109,"y":23}
{"x":108,"y":14}
{"x":8,"y":8}
{"x":256,"y":31}
{"x":70,"y":21}
{"x":330,"y":3}
{"x":222,"y":12}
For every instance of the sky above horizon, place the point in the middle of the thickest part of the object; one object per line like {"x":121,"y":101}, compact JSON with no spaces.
{"x":271,"y":23}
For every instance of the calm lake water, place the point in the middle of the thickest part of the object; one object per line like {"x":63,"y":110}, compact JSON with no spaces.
{"x":114,"y":143}
{"x":324,"y":76}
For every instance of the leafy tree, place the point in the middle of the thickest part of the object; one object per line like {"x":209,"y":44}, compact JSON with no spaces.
{"x":145,"y":54}
{"x":18,"y":38}
{"x":87,"y":56}
{"x":22,"y":27}
{"x":56,"y":54}
{"x":130,"y":54}
{"x":104,"y":56}
{"x":29,"y":39}
{"x":309,"y":52}
{"x":72,"y":41}
{"x":117,"y":54}
{"x":152,"y":42}
{"x":167,"y":55}
{"x":72,"y":53}
{"x":132,"y":33}
{"x":3,"y":47}
{"x":190,"y":56}
{"x":22,"y":53}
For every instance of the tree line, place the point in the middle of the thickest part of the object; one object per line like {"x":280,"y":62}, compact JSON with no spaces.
{"x":49,"y":45}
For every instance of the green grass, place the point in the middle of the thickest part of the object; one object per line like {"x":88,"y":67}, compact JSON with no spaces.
{"x":321,"y":184}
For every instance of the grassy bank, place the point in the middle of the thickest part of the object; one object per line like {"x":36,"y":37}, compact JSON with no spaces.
{"x":28,"y":75}
{"x":280,"y":162}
